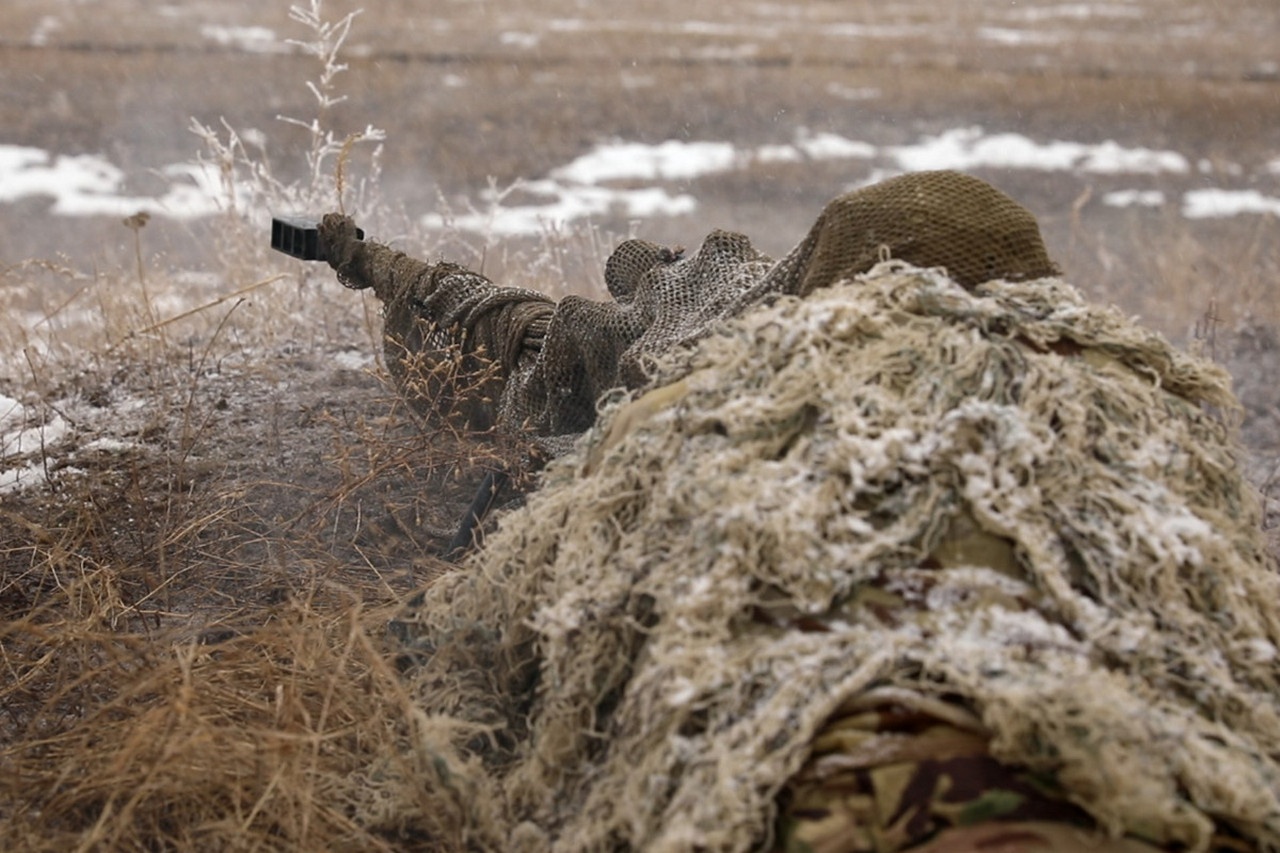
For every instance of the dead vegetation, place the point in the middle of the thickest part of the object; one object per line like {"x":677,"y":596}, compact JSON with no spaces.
{"x":244,"y":738}
{"x":192,"y":616}
{"x":197,"y":570}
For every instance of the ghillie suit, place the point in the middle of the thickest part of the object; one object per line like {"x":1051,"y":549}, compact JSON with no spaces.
{"x":883,"y":561}
{"x":550,"y":364}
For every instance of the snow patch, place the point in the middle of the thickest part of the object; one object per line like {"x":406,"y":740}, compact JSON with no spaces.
{"x":90,"y":185}
{"x":353,"y":359}
{"x":525,"y":41}
{"x":852,"y":93}
{"x":829,"y":146}
{"x":971,"y":148}
{"x":45,"y":27}
{"x":1076,"y":11}
{"x":248,"y":39}
{"x":1219,"y":203}
{"x":1009,"y":36}
{"x":109,"y":445}
{"x":670,"y":160}
{"x":12,"y":413}
{"x":22,"y":435}
{"x":571,"y":203}
{"x":1134,"y":198}
{"x":33,"y":439}
{"x":24,"y":476}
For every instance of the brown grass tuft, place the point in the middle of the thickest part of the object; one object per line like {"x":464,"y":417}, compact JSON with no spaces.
{"x":129,"y":740}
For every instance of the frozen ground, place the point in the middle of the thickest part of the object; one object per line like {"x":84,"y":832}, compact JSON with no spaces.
{"x":1144,"y":134}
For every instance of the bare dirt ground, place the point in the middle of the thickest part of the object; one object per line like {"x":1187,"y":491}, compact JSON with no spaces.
{"x":212,"y":473}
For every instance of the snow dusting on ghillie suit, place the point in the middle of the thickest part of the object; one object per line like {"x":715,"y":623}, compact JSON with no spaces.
{"x":907,"y":558}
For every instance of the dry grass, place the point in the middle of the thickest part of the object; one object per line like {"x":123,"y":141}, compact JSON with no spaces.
{"x":1226,"y":270}
{"x":194,"y":591}
{"x":123,"y":739}
{"x":191,"y":618}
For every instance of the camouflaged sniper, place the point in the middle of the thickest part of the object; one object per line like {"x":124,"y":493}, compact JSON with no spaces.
{"x":551,"y":362}
{"x":897,"y":566}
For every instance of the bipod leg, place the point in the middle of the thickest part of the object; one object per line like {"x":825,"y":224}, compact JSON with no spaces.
{"x":470,"y":530}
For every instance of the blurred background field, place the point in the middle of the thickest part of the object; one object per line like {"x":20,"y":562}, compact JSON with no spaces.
{"x":1143,"y":133}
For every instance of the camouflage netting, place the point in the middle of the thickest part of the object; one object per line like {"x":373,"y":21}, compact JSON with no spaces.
{"x":995,"y":498}
{"x":552,"y":362}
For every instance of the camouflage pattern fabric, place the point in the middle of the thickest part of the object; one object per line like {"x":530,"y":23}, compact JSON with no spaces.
{"x":894,"y":770}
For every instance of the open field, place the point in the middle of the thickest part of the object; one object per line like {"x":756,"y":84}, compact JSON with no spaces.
{"x":480,"y":91}
{"x":205,"y":470}
{"x":1145,"y":137}
{"x":488,"y":92}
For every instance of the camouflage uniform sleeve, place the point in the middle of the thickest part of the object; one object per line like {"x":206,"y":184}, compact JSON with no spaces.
{"x":435,"y":307}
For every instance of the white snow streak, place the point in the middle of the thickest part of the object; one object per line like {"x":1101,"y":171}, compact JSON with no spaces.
{"x":637,"y":180}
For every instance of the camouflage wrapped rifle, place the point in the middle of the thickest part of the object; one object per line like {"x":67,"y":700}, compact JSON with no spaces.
{"x":550,"y":363}
{"x":511,"y":360}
